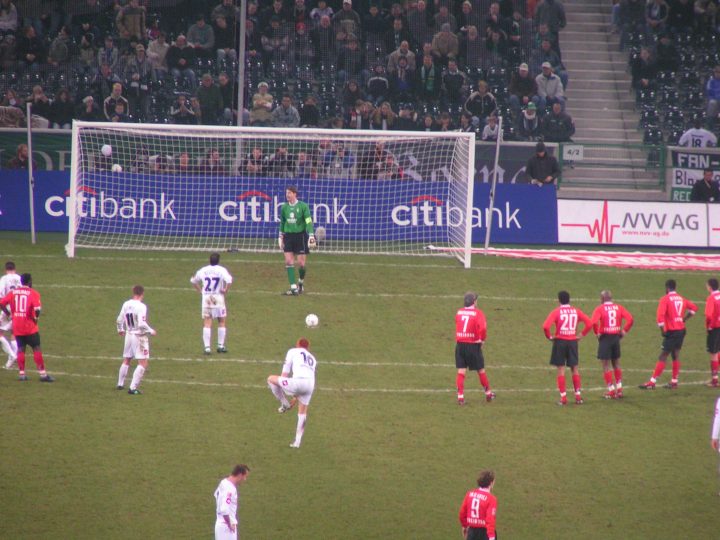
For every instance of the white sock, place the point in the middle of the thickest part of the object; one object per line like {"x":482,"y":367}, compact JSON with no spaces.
{"x":300,"y":428}
{"x":207,"y":332}
{"x":137,"y":377}
{"x":13,"y":346}
{"x":122,"y":374}
{"x":279,"y":394}
{"x":5,"y":344}
{"x":222,"y":331}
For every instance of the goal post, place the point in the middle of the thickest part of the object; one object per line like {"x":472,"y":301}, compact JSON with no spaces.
{"x":162,"y":187}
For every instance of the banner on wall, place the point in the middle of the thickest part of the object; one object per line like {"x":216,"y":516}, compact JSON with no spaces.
{"x":634,"y":223}
{"x":687,"y":168}
{"x":522,"y":213}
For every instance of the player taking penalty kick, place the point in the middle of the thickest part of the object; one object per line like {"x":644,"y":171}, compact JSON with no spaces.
{"x":296,"y":238}
{"x":565,"y":318}
{"x":470,"y":333}
{"x":132,"y":323}
{"x":606,"y":322}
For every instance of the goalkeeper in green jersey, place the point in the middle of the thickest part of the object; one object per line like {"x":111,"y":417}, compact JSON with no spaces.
{"x":296,"y":237}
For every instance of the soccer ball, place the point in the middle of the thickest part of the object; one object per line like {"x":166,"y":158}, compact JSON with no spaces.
{"x":320,"y":233}
{"x":311,"y":321}
{"x":117,"y":168}
{"x":106,"y":150}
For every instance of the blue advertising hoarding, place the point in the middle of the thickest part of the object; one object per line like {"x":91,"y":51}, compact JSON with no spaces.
{"x":401,"y":210}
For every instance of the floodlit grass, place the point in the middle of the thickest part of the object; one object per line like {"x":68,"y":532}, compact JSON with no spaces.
{"x":387,"y":452}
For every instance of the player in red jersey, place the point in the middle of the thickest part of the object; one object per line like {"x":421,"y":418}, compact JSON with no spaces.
{"x":672,"y":312}
{"x":23,"y":304}
{"x":712,"y":324}
{"x":565,"y":343}
{"x":470,"y":333}
{"x":479,"y":509}
{"x":606,"y":322}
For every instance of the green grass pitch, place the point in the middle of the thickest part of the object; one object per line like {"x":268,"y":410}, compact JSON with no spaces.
{"x":387,"y":453}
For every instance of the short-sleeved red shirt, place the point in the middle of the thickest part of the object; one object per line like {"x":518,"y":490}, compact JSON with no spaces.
{"x":24,"y":304}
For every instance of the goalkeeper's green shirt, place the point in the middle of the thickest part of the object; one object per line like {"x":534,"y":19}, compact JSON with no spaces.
{"x":296,"y":218}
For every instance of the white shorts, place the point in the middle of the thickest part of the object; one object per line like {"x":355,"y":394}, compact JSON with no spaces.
{"x":300,"y":388}
{"x":222,"y":532}
{"x":5,"y":322}
{"x":213,"y":305}
{"x":137,"y":347}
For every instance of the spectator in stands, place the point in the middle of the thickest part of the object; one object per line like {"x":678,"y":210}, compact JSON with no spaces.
{"x":656,"y":16}
{"x":253,"y":14}
{"x":515,"y":29}
{"x":11,"y":117}
{"x":11,"y":99}
{"x":309,"y":114}
{"x":529,"y":123}
{"x":390,"y":169}
{"x":445,"y":45}
{"x":374,"y":24}
{"x":228,"y":11}
{"x":444,"y":122}
{"x":61,"y":48}
{"x":213,"y":163}
{"x":358,"y":117}
{"x":558,"y":126}
{"x":184,"y":165}
{"x":471,"y":49}
{"x":370,"y":160}
{"x":120,"y":113}
{"x":407,"y":119}
{"x":9,"y":20}
{"x":467,"y":17}
{"x":491,"y":130}
{"x":397,"y":34}
{"x":466,"y":124}
{"x":712,"y":92}
{"x":285,"y":115}
{"x":87,"y":16}
{"x":130,"y":22}
{"x":338,"y":161}
{"x":546,"y":54}
{"x":549,"y":87}
{"x":103,"y":82}
{"x":304,"y":168}
{"x":229,"y":98}
{"x":347,"y":19}
{"x":681,"y":16}
{"x":108,"y":54}
{"x":402,"y":51}
{"x":544,"y":33}
{"x":493,"y":20}
{"x":384,"y":117}
{"x":632,"y":19}
{"x":480,"y":104}
{"x":542,"y":168}
{"x":40,"y":107}
{"x":224,"y":40}
{"x":427,"y":123}
{"x":667,"y":57}
{"x":253,"y":40}
{"x":455,"y":83}
{"x":706,"y":12}
{"x":351,"y":62}
{"x":275,"y":41}
{"x":88,"y":54}
{"x":299,"y":13}
{"x":323,"y":38}
{"x":336,"y":122}
{"x":402,"y":82}
{"x":644,"y":70}
{"x":30,"y":50}
{"x":276,"y":11}
{"x":21,"y":159}
{"x":114,"y":98}
{"x":697,"y":137}
{"x":428,"y":81}
{"x":378,"y":86}
{"x":62,"y":110}
{"x":281,"y":163}
{"x":496,"y":46}
{"x":397,"y":11}
{"x":138,"y":76}
{"x":443,"y":17}
{"x":551,"y":13}
{"x":88,"y":111}
{"x":352,"y":93}
{"x":211,"y":102}
{"x":181,"y":60}
{"x":705,"y":190}
{"x":419,"y":23}
{"x":262,"y":104}
{"x":157,"y":52}
{"x":523,"y":90}
{"x":256,"y":163}
{"x":322,"y":10}
{"x":201,"y":37}
{"x":182,"y":113}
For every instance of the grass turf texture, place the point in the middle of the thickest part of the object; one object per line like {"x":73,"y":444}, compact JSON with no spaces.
{"x":387,"y":453}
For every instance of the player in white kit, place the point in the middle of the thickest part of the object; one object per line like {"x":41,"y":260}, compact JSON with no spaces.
{"x":8,"y":282}
{"x":226,"y":503}
{"x":302,"y":364}
{"x":213,"y":281}
{"x":132,"y":323}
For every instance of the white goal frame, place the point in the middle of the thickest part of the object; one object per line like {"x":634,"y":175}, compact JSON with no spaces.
{"x":459,"y":241}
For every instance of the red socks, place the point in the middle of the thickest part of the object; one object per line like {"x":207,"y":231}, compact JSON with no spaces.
{"x":607,"y":375}
{"x":37,"y":356}
{"x":714,"y":367}
{"x":561,"y":384}
{"x":21,"y":362}
{"x":576,"y":382}
{"x":484,"y":381}
{"x":675,"y":370}
{"x":618,"y":376}
{"x":460,"y":383}
{"x":659,"y":368}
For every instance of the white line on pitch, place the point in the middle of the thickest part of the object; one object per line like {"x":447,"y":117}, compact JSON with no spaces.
{"x":201,"y":360}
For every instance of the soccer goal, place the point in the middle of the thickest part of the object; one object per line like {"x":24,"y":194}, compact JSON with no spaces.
{"x":144,"y":186}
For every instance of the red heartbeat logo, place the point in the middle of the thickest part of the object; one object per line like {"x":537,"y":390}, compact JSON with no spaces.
{"x":255,"y":193}
{"x":426,"y":198}
{"x":600,"y":228}
{"x":82,"y":189}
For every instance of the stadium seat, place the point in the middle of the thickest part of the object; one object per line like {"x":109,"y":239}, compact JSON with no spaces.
{"x":649,"y":118}
{"x":674,"y":136}
{"x":666,"y":80}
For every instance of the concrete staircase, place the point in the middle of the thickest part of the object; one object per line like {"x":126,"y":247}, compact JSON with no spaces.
{"x":602,"y":104}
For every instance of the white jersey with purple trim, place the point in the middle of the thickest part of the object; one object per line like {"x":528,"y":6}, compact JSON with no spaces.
{"x":212,"y":279}
{"x":301,"y":363}
{"x":8,"y":282}
{"x":133,"y":318}
{"x":716,"y":421}
{"x":226,"y":502}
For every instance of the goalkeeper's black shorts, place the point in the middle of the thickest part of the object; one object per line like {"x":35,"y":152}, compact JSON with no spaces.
{"x":296,"y":243}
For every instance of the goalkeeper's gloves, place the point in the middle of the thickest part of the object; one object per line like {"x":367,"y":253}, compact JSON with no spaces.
{"x":311,"y":241}
{"x":281,"y":242}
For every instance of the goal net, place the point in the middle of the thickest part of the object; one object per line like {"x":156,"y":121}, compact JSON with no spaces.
{"x":137,"y":186}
